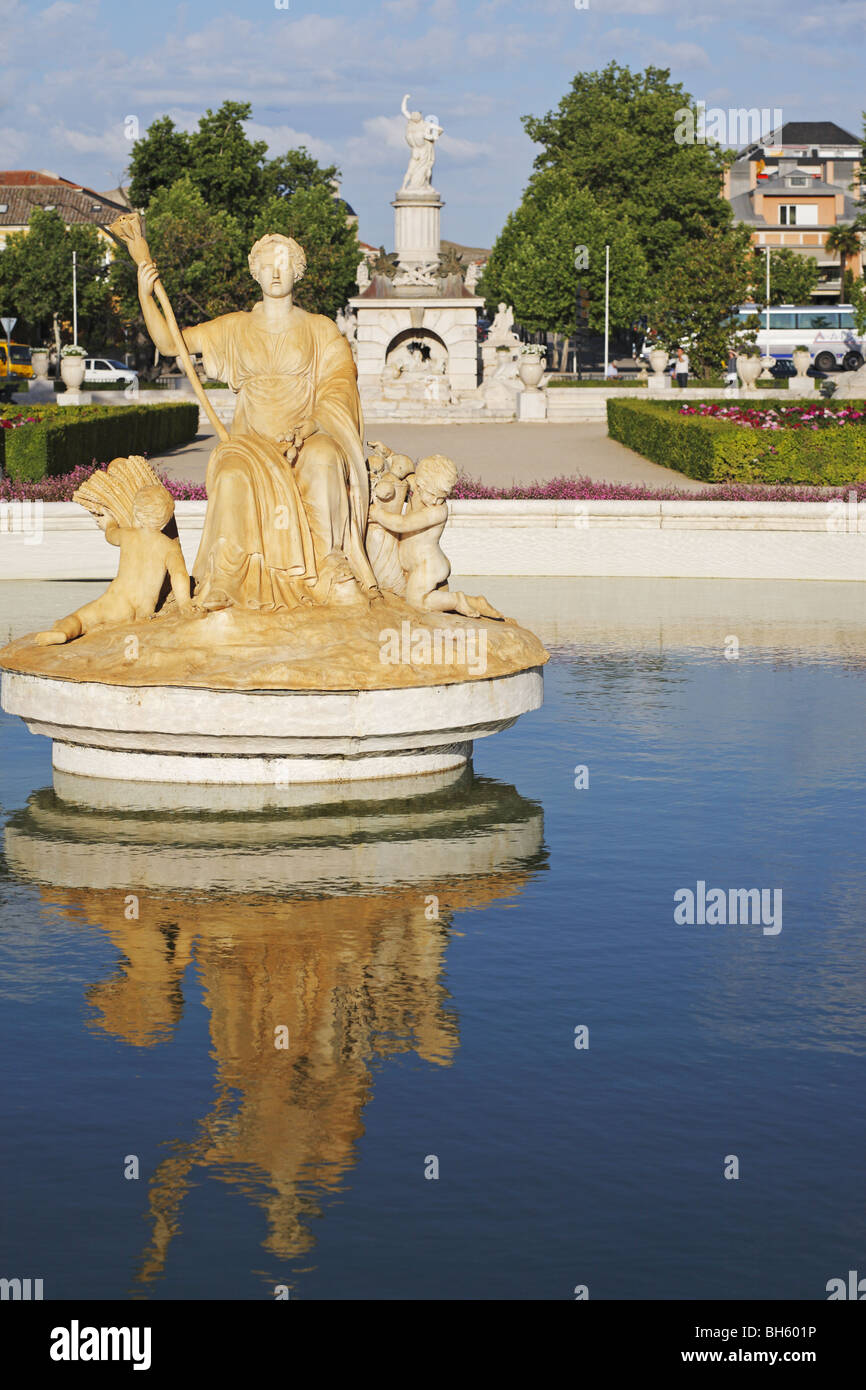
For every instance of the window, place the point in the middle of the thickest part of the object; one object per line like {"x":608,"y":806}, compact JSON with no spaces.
{"x":783,"y":321}
{"x":846,"y":321}
{"x":798,"y":181}
{"x":4,"y":207}
{"x":798,"y":214}
{"x":817,"y":320}
{"x":102,"y":366}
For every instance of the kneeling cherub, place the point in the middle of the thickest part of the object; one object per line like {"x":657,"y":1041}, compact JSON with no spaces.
{"x":420,"y":528}
{"x":146,"y":555}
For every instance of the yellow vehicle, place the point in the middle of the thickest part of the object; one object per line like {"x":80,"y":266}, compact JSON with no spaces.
{"x":20,"y":354}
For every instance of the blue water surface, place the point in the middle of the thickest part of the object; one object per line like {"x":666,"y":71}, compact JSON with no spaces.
{"x":417,"y":1042}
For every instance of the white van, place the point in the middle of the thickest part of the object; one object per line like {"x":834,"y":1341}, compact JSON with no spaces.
{"x":829,"y":333}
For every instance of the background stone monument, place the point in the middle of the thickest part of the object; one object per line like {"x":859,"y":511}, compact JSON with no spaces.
{"x":416,"y":339}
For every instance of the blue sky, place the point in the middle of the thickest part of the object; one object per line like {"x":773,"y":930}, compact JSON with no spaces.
{"x":332,"y":76}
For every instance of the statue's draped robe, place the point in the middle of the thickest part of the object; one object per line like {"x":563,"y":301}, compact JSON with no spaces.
{"x":284,"y":378}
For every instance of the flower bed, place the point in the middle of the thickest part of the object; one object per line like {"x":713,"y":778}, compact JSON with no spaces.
{"x":52,"y":440}
{"x":778,"y":417}
{"x":562,"y":489}
{"x":823,"y":446}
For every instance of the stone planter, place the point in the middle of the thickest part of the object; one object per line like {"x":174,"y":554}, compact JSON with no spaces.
{"x":39,"y":363}
{"x":72,"y":372}
{"x":658,"y":360}
{"x":748,"y":370}
{"x":801,"y":362}
{"x":530,"y":371}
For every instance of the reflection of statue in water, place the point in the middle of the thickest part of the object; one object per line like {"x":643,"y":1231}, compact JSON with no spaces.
{"x":421,"y":137}
{"x":354,"y":974}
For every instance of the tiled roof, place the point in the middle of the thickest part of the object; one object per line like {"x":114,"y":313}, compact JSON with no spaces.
{"x":23,"y":190}
{"x":801,"y":135}
{"x":816,"y":133}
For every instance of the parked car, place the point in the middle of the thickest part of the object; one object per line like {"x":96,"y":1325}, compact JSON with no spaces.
{"x":483,"y":328}
{"x":784,"y":367}
{"x":102,"y":370}
{"x":19,"y":354}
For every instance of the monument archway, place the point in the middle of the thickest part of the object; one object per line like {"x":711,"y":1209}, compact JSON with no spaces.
{"x":417,"y":351}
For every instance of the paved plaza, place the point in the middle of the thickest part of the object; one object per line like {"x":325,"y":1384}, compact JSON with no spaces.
{"x":495,"y":454}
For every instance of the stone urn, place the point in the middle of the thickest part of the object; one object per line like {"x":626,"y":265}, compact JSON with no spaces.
{"x":39,"y":363}
{"x":72,"y":372}
{"x":658,"y":360}
{"x":748,"y":370}
{"x":531,"y":370}
{"x":802,"y":358}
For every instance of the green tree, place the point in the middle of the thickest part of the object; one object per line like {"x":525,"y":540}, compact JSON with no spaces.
{"x":857,"y":293}
{"x":158,"y":160}
{"x":843,"y":241}
{"x":230,"y":170}
{"x":792,"y":278}
{"x":615,"y":133}
{"x":699,"y":292}
{"x":36,"y":279}
{"x":296,"y":169}
{"x":225,"y":165}
{"x":318,"y":222}
{"x":533,"y":264}
{"x":201,"y":254}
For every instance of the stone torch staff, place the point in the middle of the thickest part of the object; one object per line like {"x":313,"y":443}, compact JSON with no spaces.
{"x":128,"y":230}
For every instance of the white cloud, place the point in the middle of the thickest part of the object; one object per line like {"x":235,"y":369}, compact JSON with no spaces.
{"x":687,"y":55}
{"x":284,"y":137}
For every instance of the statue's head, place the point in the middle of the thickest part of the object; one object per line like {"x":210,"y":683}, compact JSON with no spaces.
{"x":435,"y":477}
{"x":152,"y":507}
{"x":277,"y":262}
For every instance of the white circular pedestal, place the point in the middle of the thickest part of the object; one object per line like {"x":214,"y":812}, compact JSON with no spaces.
{"x":272,"y":738}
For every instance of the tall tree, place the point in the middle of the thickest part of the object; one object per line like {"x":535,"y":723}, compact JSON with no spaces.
{"x":225,"y":165}
{"x":201,"y":254}
{"x":36,"y":279}
{"x":614,"y":133}
{"x":843,"y":241}
{"x":318,"y":221}
{"x":792,"y":277}
{"x":698,"y":294}
{"x":158,"y":159}
{"x":296,"y":169}
{"x":538,"y":260}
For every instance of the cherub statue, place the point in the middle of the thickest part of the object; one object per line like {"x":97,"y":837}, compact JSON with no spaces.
{"x":146,"y":552}
{"x":390,"y":478}
{"x":419,"y":529}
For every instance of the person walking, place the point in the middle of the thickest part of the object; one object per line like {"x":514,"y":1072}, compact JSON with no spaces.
{"x":731,"y":370}
{"x":681,"y":368}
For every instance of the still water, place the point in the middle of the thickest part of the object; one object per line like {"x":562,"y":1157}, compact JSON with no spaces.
{"x":428,"y":962}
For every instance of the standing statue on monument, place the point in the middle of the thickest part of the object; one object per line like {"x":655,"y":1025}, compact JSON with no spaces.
{"x":421,"y":137}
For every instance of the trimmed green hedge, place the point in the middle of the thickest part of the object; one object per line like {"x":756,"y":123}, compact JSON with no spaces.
{"x":717,"y":451}
{"x":67,"y":437}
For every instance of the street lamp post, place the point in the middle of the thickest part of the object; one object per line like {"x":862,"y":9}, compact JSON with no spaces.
{"x":606,"y":305}
{"x":74,"y":300}
{"x":766,"y":356}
